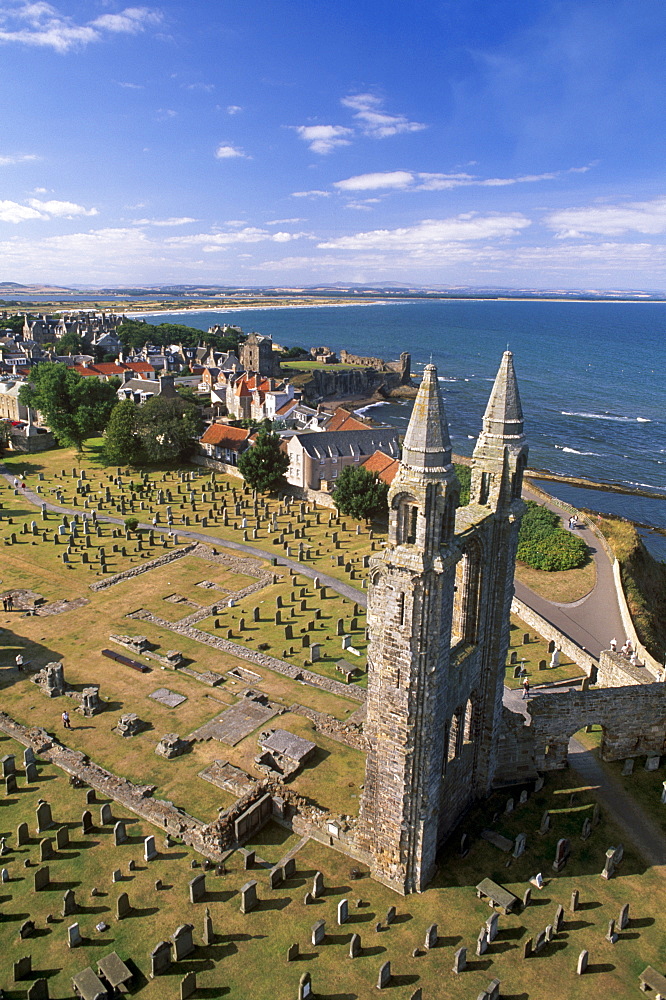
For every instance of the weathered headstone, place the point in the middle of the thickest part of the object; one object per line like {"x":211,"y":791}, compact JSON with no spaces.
{"x":86,"y":822}
{"x":197,"y":889}
{"x":384,"y":977}
{"x":558,"y":923}
{"x":343,"y":911}
{"x":305,"y":987}
{"x":45,"y":849}
{"x":545,"y":823}
{"x":160,"y":959}
{"x":623,"y":920}
{"x":581,"y":964}
{"x":431,"y":937}
{"x":628,"y":767}
{"x":527,"y":948}
{"x":355,"y":946}
{"x":460,"y":960}
{"x":562,"y":852}
{"x":318,"y":885}
{"x":123,"y":908}
{"x":183,"y":944}
{"x":149,"y":849}
{"x":39,"y":990}
{"x":42,"y":878}
{"x":105,"y":814}
{"x":62,"y":838}
{"x":527,"y":898}
{"x":22,"y":834}
{"x":318,"y":932}
{"x":520,"y":844}
{"x":68,"y":903}
{"x":208,"y":936}
{"x":482,"y":941}
{"x":390,"y":915}
{"x":23,"y":968}
{"x":119,"y":833}
{"x":44,"y":817}
{"x":492,"y":926}
{"x":74,"y":938}
{"x":188,"y":985}
{"x":275,"y":877}
{"x":248,"y":897}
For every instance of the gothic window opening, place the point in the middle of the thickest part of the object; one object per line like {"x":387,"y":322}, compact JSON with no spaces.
{"x":466,"y":608}
{"x":517,"y":478}
{"x":484,"y":492}
{"x":401,"y":609}
{"x":408,"y":513}
{"x":453,"y":748}
{"x":468,"y":728}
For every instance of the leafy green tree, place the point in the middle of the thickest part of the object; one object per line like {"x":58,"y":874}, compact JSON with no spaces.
{"x":545,"y":545}
{"x":70,"y":343}
{"x":168,"y":429}
{"x":14,"y":323}
{"x":263,"y":466}
{"x":122,"y":443}
{"x":73,"y":406}
{"x":4,"y":436}
{"x":360,"y":494}
{"x":292,"y":353}
{"x":131,"y":523}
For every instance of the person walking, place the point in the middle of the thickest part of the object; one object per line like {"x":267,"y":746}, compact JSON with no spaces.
{"x":19,"y":662}
{"x":65,"y":720}
{"x":4,"y":603}
{"x":10,"y":602}
{"x":526,"y":689}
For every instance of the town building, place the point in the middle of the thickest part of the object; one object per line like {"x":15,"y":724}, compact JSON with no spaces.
{"x":316,"y":458}
{"x":225,"y":443}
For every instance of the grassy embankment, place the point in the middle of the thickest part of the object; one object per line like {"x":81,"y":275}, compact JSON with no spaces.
{"x":643,"y":579}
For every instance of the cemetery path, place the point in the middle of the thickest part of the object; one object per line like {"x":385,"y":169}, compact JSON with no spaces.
{"x":339,"y":586}
{"x":592,"y":621}
{"x":623,"y":808}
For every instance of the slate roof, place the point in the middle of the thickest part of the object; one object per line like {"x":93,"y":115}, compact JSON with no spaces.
{"x":334,"y":444}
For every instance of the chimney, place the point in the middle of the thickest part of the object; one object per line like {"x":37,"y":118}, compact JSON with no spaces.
{"x":127,"y":374}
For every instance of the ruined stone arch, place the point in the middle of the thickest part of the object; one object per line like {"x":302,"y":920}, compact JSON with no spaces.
{"x":406,"y":515}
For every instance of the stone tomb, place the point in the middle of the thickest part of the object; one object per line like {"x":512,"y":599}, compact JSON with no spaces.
{"x":169,"y":698}
{"x":237,"y":722}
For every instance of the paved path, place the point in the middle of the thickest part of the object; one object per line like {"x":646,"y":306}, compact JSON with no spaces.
{"x":595,"y":619}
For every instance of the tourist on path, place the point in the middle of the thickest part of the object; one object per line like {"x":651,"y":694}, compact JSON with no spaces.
{"x":65,"y":720}
{"x":19,"y":662}
{"x":526,"y":689}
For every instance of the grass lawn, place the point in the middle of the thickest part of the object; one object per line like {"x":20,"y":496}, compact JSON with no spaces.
{"x":252,"y":948}
{"x":561,"y":586}
{"x":533,"y":653}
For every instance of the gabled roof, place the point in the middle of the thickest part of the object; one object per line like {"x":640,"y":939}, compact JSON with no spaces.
{"x":343,"y":420}
{"x":225,"y":436}
{"x":385,"y":466}
{"x":333,"y":444}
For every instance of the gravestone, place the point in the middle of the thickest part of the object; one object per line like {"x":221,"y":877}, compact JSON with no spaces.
{"x":23,"y":968}
{"x":249,"y":857}
{"x":583,"y":959}
{"x":343,"y":911}
{"x":558,"y":923}
{"x":652,"y":763}
{"x":307,"y":899}
{"x":160,"y":959}
{"x":44,"y":817}
{"x":8,"y":764}
{"x":575,"y":896}
{"x":10,"y":784}
{"x":123,"y":908}
{"x":248,"y":897}
{"x":482,"y":942}
{"x":519,"y":845}
{"x":545,"y":823}
{"x":119,"y":833}
{"x":305,"y":987}
{"x":289,"y":868}
{"x":68,"y":903}
{"x":62,"y":838}
{"x":390,"y":915}
{"x":31,"y":773}
{"x":188,"y":985}
{"x":628,"y":767}
{"x":318,"y":932}
{"x":39,"y":990}
{"x":508,"y":808}
{"x":460,"y":960}
{"x":550,"y":933}
{"x":105,"y":815}
{"x":149,"y":849}
{"x":492,"y":926}
{"x":538,"y":784}
{"x":74,"y":938}
{"x":27,"y":929}
{"x":540,"y":941}
{"x":431,"y":937}
{"x":183,"y":945}
{"x":208,"y":936}
{"x":523,"y":797}
{"x":45,"y":849}
{"x":197,"y":889}
{"x":623,"y":920}
{"x":274,"y":877}
{"x":42,"y":878}
{"x":527,"y":898}
{"x":562,"y":852}
{"x":91,"y":797}
{"x":86,"y":822}
{"x":318,"y":885}
{"x":384,"y":977}
{"x":355,"y":946}
{"x":527,"y":948}
{"x":22,"y":834}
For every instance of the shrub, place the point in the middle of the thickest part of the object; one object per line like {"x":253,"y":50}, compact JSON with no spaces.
{"x":131,"y":523}
{"x":543,"y":543}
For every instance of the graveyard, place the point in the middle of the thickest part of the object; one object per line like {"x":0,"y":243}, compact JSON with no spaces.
{"x":224,"y":644}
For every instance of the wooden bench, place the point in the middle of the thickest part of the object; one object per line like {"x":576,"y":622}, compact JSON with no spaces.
{"x":497,"y":894}
{"x":650,"y":980}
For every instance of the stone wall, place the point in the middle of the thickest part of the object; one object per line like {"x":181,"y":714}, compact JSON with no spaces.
{"x":128,"y":574}
{"x":216,"y":466}
{"x":547,"y":631}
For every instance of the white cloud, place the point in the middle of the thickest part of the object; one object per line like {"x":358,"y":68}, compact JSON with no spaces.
{"x":647,"y":217}
{"x":178,"y":221}
{"x":233,"y":109}
{"x":220,"y":241}
{"x":13,"y":211}
{"x":283,"y":222}
{"x":206,"y":88}
{"x":131,"y":86}
{"x":8,"y":159}
{"x":311,"y":194}
{"x":412,"y":180}
{"x":228,"y":152}
{"x":42,"y":25}
{"x":60,"y":209}
{"x":377,"y":123}
{"x":130,"y":21}
{"x":432,"y":233}
{"x":323,"y":138}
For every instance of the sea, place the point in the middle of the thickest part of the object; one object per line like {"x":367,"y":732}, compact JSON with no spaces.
{"x":592,"y":375}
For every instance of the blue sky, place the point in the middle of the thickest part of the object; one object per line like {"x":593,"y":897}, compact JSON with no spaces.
{"x":296,"y":142}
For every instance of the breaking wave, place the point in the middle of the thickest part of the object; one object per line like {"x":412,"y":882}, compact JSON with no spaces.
{"x":606,"y":416}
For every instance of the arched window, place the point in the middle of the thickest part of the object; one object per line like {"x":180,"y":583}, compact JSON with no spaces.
{"x":408,"y":513}
{"x":466,"y":606}
{"x":468,"y":726}
{"x":449,"y":519}
{"x":455,"y":734}
{"x":517,"y":478}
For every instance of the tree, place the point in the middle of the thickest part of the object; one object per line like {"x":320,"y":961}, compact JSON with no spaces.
{"x":70,"y":343}
{"x":263,"y":465}
{"x":360,"y":493}
{"x":73,"y":406}
{"x":168,"y":429}
{"x":122,"y":443}
{"x":543,"y":543}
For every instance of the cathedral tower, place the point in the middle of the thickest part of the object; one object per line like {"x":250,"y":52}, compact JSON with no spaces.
{"x":438,"y":616}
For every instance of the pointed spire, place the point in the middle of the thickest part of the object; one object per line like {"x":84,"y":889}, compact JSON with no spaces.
{"x":427,"y":445}
{"x":504,"y":414}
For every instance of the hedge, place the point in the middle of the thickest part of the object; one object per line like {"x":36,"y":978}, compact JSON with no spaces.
{"x":544,"y":544}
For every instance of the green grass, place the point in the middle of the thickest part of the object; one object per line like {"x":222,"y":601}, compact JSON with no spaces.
{"x":534,"y":653}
